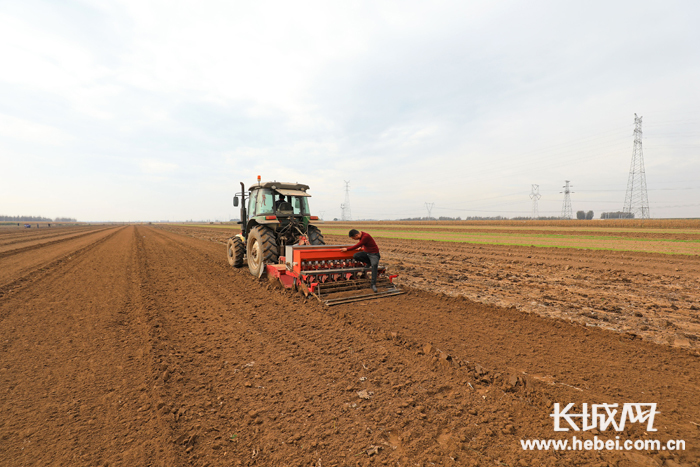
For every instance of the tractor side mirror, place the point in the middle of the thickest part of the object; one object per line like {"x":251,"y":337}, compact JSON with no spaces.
{"x":235,"y":201}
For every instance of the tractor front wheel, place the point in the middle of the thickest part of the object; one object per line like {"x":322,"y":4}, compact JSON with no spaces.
{"x":235,"y":250}
{"x":262,"y":249}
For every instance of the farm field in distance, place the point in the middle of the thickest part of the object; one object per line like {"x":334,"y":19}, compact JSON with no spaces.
{"x":593,"y":235}
{"x":140,"y":345}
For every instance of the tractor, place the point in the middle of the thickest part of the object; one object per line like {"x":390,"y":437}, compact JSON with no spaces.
{"x":277,"y":215}
{"x":277,"y":239}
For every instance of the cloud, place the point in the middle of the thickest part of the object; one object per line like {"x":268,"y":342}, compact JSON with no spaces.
{"x":13,"y":128}
{"x":157,"y":166}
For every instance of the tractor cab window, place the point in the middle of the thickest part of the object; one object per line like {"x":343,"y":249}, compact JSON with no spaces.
{"x":251,"y":206}
{"x":265,"y":202}
{"x":301,"y":207}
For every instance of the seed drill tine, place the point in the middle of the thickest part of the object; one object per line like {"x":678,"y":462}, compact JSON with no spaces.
{"x":334,"y":287}
{"x":340,"y":301}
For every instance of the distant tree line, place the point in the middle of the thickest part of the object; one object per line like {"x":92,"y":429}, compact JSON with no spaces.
{"x":479,"y":218}
{"x":581,"y":215}
{"x":441,"y":218}
{"x":493,"y":218}
{"x":543,"y":218}
{"x":36,"y":219}
{"x":617,"y":215}
{"x":445,"y":218}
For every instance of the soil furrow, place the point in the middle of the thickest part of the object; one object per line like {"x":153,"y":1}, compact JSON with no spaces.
{"x":39,"y":234}
{"x":36,"y":244}
{"x":76,"y":387}
{"x":17,"y":266}
{"x":29,"y":278}
{"x":147,"y":348}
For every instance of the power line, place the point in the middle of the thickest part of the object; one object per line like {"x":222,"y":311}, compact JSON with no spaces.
{"x":564,"y":153}
{"x":650,"y":189}
{"x":518,"y":193}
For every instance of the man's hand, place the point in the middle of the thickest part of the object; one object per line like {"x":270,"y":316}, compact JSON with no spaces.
{"x":343,"y":249}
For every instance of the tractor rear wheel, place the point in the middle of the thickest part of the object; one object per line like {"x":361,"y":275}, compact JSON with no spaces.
{"x":235,"y":250}
{"x":315,"y":236}
{"x":262,"y":249}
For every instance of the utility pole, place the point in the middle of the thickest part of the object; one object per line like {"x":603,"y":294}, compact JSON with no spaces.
{"x":566,"y":211}
{"x":346,"y":215}
{"x":636,"y":198}
{"x":535,"y":196}
{"x":429,"y":207}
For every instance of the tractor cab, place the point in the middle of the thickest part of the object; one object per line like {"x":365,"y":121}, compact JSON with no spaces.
{"x":275,"y":204}
{"x":272,"y":199}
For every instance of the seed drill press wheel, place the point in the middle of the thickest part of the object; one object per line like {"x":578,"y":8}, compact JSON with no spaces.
{"x":262,"y":249}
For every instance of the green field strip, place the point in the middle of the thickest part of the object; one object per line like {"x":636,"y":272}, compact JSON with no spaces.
{"x":236,"y":227}
{"x":571,"y":237}
{"x":530,"y":244}
{"x":494,"y":227}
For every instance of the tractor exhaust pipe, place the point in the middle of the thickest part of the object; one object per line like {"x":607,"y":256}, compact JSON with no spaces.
{"x":243,"y":212}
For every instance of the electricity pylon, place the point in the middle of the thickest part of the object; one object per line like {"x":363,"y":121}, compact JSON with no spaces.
{"x":346,"y":215}
{"x":429,"y":207}
{"x":535,"y":196}
{"x":636,"y":198}
{"x":566,"y":211}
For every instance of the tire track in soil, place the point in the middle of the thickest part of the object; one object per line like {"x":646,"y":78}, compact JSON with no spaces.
{"x":308,"y":364}
{"x":39,"y":243}
{"x":74,"y":367}
{"x":39,"y":234}
{"x":25,"y":262}
{"x":13,"y":235}
{"x":32,"y":277}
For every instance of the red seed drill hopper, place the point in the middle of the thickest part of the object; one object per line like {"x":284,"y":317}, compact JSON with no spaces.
{"x":331,"y":275}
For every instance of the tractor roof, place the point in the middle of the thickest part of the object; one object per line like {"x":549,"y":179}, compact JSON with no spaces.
{"x":280,"y":186}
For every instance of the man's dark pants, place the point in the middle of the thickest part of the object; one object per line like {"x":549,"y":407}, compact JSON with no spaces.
{"x":370,"y":259}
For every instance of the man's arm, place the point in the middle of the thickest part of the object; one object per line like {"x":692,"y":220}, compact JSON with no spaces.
{"x":359,"y":244}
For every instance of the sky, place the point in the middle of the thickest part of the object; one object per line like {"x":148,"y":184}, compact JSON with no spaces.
{"x":141,"y":110}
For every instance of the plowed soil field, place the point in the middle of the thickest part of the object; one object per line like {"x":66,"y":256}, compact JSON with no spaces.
{"x":140,"y":345}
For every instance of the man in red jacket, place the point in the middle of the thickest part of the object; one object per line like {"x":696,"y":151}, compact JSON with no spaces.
{"x":370,"y":255}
